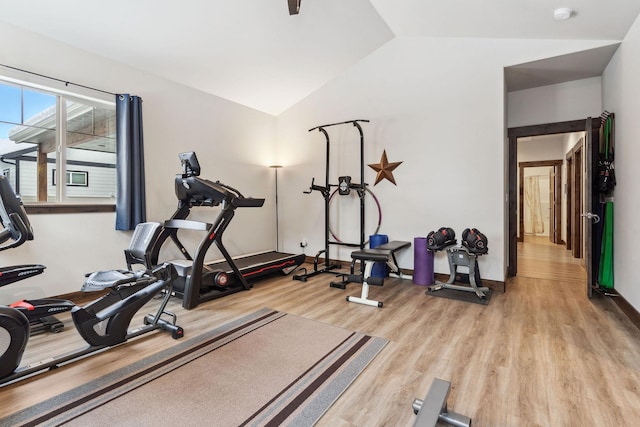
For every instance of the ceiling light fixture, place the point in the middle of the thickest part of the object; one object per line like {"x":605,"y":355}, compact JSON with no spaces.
{"x":562,"y":14}
{"x":294,"y":7}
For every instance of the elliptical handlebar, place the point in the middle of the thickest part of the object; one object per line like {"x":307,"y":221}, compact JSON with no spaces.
{"x":13,"y":217}
{"x":18,"y":232}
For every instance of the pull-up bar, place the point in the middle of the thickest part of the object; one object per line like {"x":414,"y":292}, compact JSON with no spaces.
{"x":326,"y":193}
{"x":341,"y":123}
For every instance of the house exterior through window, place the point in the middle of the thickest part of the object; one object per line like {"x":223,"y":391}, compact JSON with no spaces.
{"x":45,"y":135}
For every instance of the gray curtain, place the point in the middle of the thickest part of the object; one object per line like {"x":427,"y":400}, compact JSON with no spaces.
{"x":131,"y":206}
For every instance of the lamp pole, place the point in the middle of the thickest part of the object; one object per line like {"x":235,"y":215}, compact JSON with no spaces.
{"x":276,"y":167}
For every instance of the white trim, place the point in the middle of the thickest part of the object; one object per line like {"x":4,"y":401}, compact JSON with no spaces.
{"x":36,"y":82}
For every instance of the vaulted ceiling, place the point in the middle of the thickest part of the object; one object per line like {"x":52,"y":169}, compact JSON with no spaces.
{"x":255,"y":53}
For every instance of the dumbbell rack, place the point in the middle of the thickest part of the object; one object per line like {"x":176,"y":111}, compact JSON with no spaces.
{"x":460,"y":256}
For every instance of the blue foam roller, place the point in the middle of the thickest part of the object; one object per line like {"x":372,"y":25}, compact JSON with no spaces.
{"x":380,"y":269}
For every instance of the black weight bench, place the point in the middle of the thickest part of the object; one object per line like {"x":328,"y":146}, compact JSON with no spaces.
{"x":384,"y":253}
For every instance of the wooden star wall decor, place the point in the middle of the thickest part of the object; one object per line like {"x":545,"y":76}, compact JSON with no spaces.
{"x":384,"y":169}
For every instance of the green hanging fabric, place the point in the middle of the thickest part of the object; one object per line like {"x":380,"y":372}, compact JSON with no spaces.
{"x":605,"y":276}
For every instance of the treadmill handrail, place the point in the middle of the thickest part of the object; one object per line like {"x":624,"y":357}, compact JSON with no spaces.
{"x":248,"y":202}
{"x":188,"y":224}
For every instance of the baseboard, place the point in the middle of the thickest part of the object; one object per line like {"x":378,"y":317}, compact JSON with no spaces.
{"x":632,"y":314}
{"x":495,"y":285}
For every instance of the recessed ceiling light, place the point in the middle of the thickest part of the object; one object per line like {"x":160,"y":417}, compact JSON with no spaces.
{"x":562,"y":13}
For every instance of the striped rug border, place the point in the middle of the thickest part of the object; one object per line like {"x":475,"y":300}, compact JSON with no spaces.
{"x":302,"y":403}
{"x":83,"y":398}
{"x":306,"y":399}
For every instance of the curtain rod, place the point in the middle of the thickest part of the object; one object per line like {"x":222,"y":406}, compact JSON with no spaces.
{"x":66,"y":83}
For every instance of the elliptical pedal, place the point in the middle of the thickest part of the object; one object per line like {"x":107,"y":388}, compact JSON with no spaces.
{"x":45,"y":324}
{"x":39,"y":313}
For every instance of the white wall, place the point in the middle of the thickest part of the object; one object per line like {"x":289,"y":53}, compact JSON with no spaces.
{"x":538,"y":149}
{"x":234,"y":144}
{"x":437,"y":105}
{"x":621,"y":87}
{"x":555,"y":103}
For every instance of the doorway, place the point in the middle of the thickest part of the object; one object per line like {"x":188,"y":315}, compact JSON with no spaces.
{"x":513,"y":135}
{"x":540,"y":199}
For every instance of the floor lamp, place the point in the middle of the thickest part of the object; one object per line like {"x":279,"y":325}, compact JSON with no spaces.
{"x":276,"y":167}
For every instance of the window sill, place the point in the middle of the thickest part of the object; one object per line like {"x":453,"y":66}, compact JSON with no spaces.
{"x":66,"y":208}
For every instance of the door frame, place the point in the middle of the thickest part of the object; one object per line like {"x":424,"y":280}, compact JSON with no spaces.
{"x":512,"y":170}
{"x":554,"y":219}
{"x":556,"y":204}
{"x":591,"y":199}
{"x":575,"y":199}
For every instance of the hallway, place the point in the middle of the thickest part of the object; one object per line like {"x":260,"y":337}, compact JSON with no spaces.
{"x":539,"y":258}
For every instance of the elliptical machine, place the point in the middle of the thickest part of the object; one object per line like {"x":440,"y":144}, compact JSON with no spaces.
{"x":102,"y":323}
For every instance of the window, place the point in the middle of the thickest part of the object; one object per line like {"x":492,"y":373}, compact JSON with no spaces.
{"x":74,"y":178}
{"x":78,"y":178}
{"x":43,"y":132}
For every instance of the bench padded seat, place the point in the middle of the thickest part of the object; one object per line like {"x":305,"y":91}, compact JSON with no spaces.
{"x":380,"y":253}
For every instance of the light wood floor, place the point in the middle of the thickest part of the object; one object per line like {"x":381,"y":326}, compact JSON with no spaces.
{"x":539,"y":258}
{"x":541,"y":354}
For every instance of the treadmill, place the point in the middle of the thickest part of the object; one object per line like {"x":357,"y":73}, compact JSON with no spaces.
{"x":199,"y":280}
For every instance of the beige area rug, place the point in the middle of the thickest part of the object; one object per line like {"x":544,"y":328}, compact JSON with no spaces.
{"x":265,"y":369}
